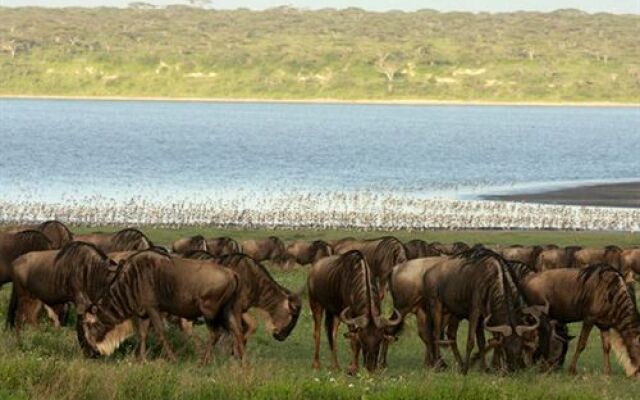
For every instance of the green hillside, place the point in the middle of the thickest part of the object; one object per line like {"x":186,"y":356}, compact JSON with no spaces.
{"x":349,"y":54}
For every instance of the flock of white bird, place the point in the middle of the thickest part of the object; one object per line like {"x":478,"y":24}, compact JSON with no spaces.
{"x":359,"y":210}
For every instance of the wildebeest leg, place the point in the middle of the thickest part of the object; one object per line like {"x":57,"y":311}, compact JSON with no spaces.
{"x":213,"y":339}
{"x":582,"y":343}
{"x":355,"y":356}
{"x":53,"y":316}
{"x":606,"y":349}
{"x":332,"y":323}
{"x":316,"y":311}
{"x":143,"y":332}
{"x":421,"y":321}
{"x":452,"y":335}
{"x":249,"y":326}
{"x":482,"y":349}
{"x":234,"y":324}
{"x":471,"y":334}
{"x":438,"y":317}
{"x":158,"y":326}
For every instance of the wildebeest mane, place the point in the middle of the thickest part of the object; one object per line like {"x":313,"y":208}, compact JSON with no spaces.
{"x":199,"y":255}
{"x":130,"y":239}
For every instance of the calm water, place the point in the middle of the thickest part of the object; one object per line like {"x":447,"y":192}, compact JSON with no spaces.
{"x":66,"y":150}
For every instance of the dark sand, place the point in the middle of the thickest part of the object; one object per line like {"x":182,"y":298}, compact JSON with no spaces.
{"x":604,"y":195}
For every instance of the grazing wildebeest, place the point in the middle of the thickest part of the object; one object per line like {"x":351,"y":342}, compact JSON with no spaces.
{"x":79,"y":273}
{"x":222,"y":246}
{"x":475,"y":285}
{"x":57,"y":232}
{"x":151,"y":283}
{"x":15,"y":244}
{"x":555,"y":258}
{"x":271,"y":249}
{"x":189,"y":244}
{"x":596,"y":295}
{"x":342,"y":286}
{"x":129,"y":239}
{"x":610,"y":255}
{"x":259,"y":290}
{"x":450,"y":249}
{"x":418,"y":248}
{"x":309,"y":252}
{"x":381,"y":254}
{"x":525,"y":254}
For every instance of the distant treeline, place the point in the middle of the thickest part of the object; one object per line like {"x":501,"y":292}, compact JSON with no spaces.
{"x":288,"y":53}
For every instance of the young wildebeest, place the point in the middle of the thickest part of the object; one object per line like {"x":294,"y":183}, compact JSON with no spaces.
{"x":271,"y":249}
{"x":151,"y":283}
{"x":79,"y":273}
{"x":343,"y":288}
{"x":555,"y":258}
{"x":417,"y":248}
{"x":309,"y":252}
{"x":57,"y":232}
{"x":15,"y":244}
{"x":596,"y":295}
{"x":525,"y":254}
{"x":129,"y":239}
{"x":381,"y":254}
{"x":475,"y":285}
{"x":189,"y":244}
{"x":260,"y":290}
{"x":222,"y":246}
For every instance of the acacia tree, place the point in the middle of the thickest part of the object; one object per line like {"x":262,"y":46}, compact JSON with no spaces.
{"x":389,"y":65}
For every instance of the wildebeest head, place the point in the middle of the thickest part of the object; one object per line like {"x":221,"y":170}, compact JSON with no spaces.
{"x":102,"y":332}
{"x":369,"y":331}
{"x":284,"y":319}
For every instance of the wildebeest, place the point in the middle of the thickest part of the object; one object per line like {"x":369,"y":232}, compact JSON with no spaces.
{"x":260,"y":290}
{"x":189,"y":244}
{"x":596,"y":295}
{"x":610,"y":255}
{"x":630,"y":263}
{"x":418,"y":248}
{"x":15,"y":244}
{"x":151,"y":283}
{"x":555,"y":258}
{"x":271,"y":249}
{"x":381,"y":254}
{"x":475,"y":285}
{"x":305,"y":252}
{"x":57,"y":232}
{"x":343,"y":288}
{"x":79,"y":273}
{"x":450,"y":249}
{"x":129,"y":239}
{"x":222,"y":246}
{"x":525,"y":254}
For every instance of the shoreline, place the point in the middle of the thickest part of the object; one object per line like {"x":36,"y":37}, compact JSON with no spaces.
{"x":400,"y":102}
{"x":619,"y":195}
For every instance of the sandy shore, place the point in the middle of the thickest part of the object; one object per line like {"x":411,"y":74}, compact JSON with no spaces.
{"x":331,"y":101}
{"x":625,"y":194}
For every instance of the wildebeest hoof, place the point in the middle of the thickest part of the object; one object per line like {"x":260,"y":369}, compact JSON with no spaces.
{"x":440,"y":365}
{"x":316,"y":365}
{"x":352,"y":371}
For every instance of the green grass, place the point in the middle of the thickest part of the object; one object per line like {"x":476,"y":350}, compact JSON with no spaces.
{"x":48,"y":363}
{"x":339,"y":54}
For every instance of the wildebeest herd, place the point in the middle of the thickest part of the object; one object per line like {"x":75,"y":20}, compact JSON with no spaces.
{"x":517,"y":300}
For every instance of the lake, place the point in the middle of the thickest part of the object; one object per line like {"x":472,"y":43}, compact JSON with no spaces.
{"x":66,"y":151}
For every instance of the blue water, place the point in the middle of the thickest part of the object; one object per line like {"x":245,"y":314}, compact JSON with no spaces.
{"x":65,"y":150}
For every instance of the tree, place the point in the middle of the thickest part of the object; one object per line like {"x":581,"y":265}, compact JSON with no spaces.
{"x":199,"y":3}
{"x":387,"y":65}
{"x":141,"y":5}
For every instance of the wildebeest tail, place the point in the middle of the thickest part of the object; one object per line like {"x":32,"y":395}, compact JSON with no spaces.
{"x":328,"y":325}
{"x":10,"y":322}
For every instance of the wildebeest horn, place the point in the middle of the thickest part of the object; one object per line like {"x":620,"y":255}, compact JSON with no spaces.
{"x":522,"y":329}
{"x":396,"y":318}
{"x":360,"y":321}
{"x":554,"y":333}
{"x":537,"y":310}
{"x":504,"y":330}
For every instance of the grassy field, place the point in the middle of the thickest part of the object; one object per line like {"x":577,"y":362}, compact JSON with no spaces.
{"x":350,"y":54}
{"x":48,"y":364}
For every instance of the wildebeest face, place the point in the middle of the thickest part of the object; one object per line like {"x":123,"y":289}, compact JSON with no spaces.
{"x":286,"y":317}
{"x":371,"y":338}
{"x":104,"y":337}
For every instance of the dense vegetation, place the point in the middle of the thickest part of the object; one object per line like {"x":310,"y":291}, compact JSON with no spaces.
{"x":47,"y":364}
{"x":286,"y":53}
